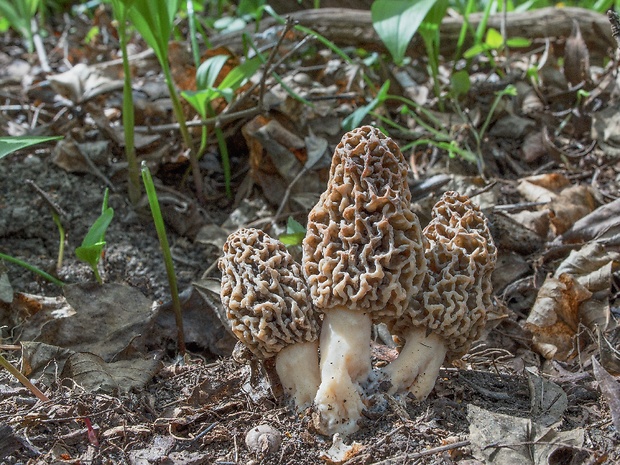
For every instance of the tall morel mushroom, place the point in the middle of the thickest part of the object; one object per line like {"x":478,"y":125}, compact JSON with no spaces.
{"x":450,"y":312}
{"x":363,"y":259}
{"x":269,"y":309}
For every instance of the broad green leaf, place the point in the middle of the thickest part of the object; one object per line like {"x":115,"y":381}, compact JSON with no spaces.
{"x":209,"y":70}
{"x":460,"y":83}
{"x":494,"y":39}
{"x":12,"y":144}
{"x":90,"y":254}
{"x":239,"y":74}
{"x":396,"y":21}
{"x":96,"y":233}
{"x":475,"y":50}
{"x":199,"y":99}
{"x":354,"y":119}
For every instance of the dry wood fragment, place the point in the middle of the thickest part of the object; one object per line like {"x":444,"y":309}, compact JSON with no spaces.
{"x":349,"y":27}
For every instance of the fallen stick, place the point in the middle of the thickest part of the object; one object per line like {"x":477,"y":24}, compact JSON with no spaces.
{"x":348,"y":27}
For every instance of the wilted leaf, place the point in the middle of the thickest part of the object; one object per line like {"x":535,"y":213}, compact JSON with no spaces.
{"x":603,"y":225}
{"x":576,"y":57}
{"x":578,"y":293}
{"x":572,"y":204}
{"x":94,"y":375}
{"x":610,"y":355}
{"x":611,"y":391}
{"x":102,"y":319}
{"x":549,"y":401}
{"x":499,"y":439}
{"x":554,"y":318}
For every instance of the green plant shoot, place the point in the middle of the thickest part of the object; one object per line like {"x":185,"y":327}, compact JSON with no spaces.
{"x":158,"y":219}
{"x":94,"y":241}
{"x":201,"y":99}
{"x":355,"y":118}
{"x":20,"y":14}
{"x":154,"y":21}
{"x":396,"y":22}
{"x":120,"y":9}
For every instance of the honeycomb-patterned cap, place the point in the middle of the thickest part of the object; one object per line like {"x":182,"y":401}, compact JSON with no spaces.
{"x":264,"y":293}
{"x":363,"y":247}
{"x":457,"y":289}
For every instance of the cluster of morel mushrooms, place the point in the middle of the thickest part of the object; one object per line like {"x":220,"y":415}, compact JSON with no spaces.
{"x":365,"y":260}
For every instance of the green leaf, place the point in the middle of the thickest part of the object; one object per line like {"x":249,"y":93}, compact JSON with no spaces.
{"x":396,"y":21}
{"x":96,"y":233}
{"x":460,"y":83}
{"x":494,"y":39}
{"x":235,"y":78}
{"x":294,"y":227}
{"x":518,"y":42}
{"x":12,"y":144}
{"x":90,"y":254}
{"x":475,"y":50}
{"x":199,"y":99}
{"x":354,"y":119}
{"x":209,"y":70}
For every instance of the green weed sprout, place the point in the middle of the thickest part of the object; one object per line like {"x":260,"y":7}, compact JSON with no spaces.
{"x":20,"y":14}
{"x":207,"y":92}
{"x":94,"y":241}
{"x":295,"y":233}
{"x":154,"y":21}
{"x":120,"y":9}
{"x":165,"y":248}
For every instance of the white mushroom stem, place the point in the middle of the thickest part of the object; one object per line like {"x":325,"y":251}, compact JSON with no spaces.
{"x":417,"y":366}
{"x":345,"y":362}
{"x":297,"y":366}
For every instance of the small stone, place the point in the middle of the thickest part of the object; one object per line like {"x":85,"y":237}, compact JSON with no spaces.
{"x":263,"y":440}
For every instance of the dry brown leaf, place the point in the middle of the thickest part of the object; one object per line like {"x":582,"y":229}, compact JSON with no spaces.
{"x":572,"y":204}
{"x":610,"y":389}
{"x":554,"y":318}
{"x":499,"y":439}
{"x":542,"y":187}
{"x":603,"y":225}
{"x":576,"y":57}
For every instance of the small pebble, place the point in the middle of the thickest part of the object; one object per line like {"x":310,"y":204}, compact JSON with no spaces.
{"x":263,"y":440}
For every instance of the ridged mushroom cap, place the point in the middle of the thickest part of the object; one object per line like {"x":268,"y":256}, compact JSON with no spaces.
{"x":363,"y":247}
{"x":457,"y":289}
{"x":264,"y":293}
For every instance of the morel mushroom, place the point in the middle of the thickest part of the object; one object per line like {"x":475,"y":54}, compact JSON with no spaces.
{"x":363,"y":259}
{"x":269,"y":309}
{"x":450,"y":312}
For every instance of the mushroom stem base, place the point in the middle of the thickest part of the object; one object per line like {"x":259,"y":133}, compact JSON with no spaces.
{"x":417,"y":366}
{"x":297,"y":366}
{"x":345,"y":362}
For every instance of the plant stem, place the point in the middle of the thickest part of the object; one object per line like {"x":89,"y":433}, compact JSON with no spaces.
{"x":23,"y":379}
{"x":185,"y":134}
{"x":165,"y":248}
{"x":32,"y":268}
{"x":133,"y":172}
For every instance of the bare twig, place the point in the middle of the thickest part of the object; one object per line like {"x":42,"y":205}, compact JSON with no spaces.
{"x":417,"y":455}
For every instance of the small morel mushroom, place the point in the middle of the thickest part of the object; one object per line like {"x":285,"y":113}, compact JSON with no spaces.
{"x":450,"y":312}
{"x":270,"y":311}
{"x":363,"y":259}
